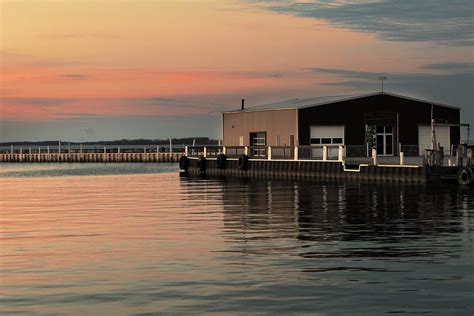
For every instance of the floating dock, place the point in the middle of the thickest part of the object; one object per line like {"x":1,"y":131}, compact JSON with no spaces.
{"x":218,"y":161}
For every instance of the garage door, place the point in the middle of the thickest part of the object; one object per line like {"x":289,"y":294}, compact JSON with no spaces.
{"x":327,"y":135}
{"x":442,"y":138}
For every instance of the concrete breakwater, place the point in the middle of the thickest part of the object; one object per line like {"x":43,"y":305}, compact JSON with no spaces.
{"x":91,"y":157}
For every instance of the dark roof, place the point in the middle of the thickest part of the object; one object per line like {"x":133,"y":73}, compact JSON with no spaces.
{"x":317,"y":101}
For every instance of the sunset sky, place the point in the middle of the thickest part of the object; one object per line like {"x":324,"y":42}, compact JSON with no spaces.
{"x":105,"y":69}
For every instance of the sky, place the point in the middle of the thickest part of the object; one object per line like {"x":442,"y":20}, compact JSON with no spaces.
{"x":88,"y":70}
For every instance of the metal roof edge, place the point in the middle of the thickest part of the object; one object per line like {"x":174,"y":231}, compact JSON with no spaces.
{"x":420,"y":100}
{"x":343,"y":100}
{"x":257,"y":110}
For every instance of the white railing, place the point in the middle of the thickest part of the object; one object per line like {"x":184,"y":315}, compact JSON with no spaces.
{"x":314,"y":152}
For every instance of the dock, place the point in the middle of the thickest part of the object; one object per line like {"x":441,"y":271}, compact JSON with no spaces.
{"x":83,"y":155}
{"x":322,"y":162}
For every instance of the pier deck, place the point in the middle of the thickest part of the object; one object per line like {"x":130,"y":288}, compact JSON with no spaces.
{"x":296,"y":163}
{"x":91,"y":157}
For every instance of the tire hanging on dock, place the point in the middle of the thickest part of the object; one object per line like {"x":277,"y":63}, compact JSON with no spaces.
{"x":184,"y":163}
{"x":202,"y":164}
{"x":243,"y":162}
{"x":221,"y":161}
{"x":465,"y":176}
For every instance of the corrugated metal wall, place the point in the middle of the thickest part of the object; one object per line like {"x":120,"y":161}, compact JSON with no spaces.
{"x":277,"y":124}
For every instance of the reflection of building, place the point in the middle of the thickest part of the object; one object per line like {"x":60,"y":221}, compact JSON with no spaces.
{"x":384,"y":121}
{"x":312,"y":213}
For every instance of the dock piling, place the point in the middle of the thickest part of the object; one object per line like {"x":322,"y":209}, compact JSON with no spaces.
{"x":374,"y":156}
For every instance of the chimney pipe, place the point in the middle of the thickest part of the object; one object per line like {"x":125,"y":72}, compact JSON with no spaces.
{"x":243,"y":104}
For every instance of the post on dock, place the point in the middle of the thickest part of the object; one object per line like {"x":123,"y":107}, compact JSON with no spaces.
{"x":469,"y":157}
{"x":11,"y":149}
{"x":171,"y":146}
{"x":29,"y":150}
{"x":374,"y":156}
{"x":205,"y":152}
{"x":224,"y":150}
{"x":21,"y":154}
{"x":39,"y":150}
{"x":269,"y":154}
{"x":402,"y":158}
{"x":325,"y":152}
{"x":295,"y":156}
{"x":186,"y":151}
{"x":47,"y":148}
{"x":459,"y":156}
{"x":246,"y":150}
{"x":340,"y":155}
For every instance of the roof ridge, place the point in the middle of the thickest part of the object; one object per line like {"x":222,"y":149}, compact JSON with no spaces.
{"x":297,"y":103}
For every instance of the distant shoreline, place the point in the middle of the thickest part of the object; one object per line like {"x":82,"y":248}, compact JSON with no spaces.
{"x":175,"y":141}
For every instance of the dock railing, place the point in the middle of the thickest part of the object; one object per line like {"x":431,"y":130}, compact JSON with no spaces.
{"x":90,"y":149}
{"x":314,"y":152}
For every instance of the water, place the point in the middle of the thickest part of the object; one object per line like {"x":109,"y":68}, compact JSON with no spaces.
{"x":137,"y":239}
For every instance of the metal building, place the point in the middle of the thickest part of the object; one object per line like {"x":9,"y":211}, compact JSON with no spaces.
{"x":388,"y":122}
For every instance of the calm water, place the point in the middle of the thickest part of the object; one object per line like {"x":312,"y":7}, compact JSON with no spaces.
{"x":137,"y":239}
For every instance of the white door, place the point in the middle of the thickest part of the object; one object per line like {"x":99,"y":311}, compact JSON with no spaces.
{"x":326,"y":135}
{"x":442,"y":138}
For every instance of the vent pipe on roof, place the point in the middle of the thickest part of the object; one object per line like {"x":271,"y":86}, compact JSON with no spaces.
{"x":243,"y":104}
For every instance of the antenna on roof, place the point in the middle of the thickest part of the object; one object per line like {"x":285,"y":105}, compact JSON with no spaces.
{"x":382,"y":78}
{"x":243,"y":105}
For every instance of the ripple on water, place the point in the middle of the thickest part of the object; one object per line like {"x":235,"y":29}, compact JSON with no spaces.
{"x":139,"y":239}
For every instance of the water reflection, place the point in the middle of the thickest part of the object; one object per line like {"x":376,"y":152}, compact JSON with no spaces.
{"x":312,"y":214}
{"x":156,"y":243}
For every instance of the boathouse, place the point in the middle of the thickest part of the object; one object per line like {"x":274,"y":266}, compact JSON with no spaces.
{"x":389,"y":122}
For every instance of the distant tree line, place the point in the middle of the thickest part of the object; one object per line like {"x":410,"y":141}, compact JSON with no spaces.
{"x":141,"y":141}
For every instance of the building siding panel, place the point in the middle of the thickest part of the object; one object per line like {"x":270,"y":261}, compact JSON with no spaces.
{"x":276,"y":123}
{"x":351,"y":114}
